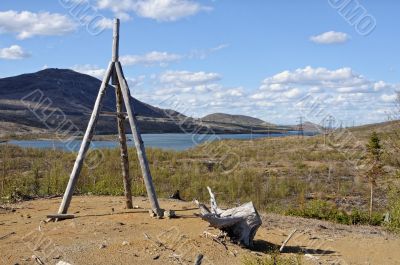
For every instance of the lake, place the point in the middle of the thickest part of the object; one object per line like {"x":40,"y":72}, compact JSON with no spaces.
{"x":172,"y":141}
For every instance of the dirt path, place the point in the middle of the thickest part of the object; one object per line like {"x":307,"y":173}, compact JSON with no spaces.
{"x":105,"y":233}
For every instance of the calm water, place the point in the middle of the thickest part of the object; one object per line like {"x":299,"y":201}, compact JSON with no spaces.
{"x":174,"y":141}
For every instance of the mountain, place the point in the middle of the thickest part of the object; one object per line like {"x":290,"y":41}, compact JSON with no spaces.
{"x":70,"y":92}
{"x":309,"y":127}
{"x":67,"y":98}
{"x":235,"y":119}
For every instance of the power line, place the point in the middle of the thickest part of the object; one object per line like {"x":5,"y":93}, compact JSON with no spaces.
{"x":300,"y":131}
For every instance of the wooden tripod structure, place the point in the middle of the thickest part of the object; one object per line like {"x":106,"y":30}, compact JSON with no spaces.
{"x":114,"y":72}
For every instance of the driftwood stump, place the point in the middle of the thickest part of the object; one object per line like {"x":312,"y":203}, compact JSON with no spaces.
{"x":240,"y":223}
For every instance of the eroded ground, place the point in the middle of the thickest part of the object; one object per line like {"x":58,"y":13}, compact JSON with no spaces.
{"x":103,"y":232}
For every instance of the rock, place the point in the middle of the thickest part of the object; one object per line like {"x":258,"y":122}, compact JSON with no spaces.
{"x":152,"y":214}
{"x":102,"y":246}
{"x":62,"y":263}
{"x":157,"y":256}
{"x":311,"y":257}
{"x":125,"y":243}
{"x":170,"y":214}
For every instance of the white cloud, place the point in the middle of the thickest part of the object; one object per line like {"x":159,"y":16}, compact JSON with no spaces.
{"x":204,"y":53}
{"x":232,"y":92}
{"x":163,"y":59}
{"x":292,"y":93}
{"x":135,"y":81}
{"x":330,"y":37}
{"x":151,"y":58}
{"x":168,"y":10}
{"x":104,"y":23}
{"x":92,"y":70}
{"x":340,"y":92}
{"x":160,"y":10}
{"x":26,"y":24}
{"x":13,"y":52}
{"x":389,"y":98}
{"x":317,"y":78}
{"x":186,"y":79}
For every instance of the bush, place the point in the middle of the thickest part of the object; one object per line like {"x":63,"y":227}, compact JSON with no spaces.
{"x":324,"y":210}
{"x":274,"y":259}
{"x":394,"y":210}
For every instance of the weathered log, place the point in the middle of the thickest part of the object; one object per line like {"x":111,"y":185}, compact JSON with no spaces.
{"x":240,"y":223}
{"x":61,"y":216}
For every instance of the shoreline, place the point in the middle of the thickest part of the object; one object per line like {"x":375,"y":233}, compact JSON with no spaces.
{"x":106,"y":137}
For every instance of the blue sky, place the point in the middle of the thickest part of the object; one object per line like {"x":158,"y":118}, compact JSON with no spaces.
{"x":268,"y":59}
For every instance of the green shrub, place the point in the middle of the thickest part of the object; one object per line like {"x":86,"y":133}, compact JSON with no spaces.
{"x":394,"y":210}
{"x":324,"y":210}
{"x":274,"y":259}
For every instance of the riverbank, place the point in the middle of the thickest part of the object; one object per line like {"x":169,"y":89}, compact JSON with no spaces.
{"x":167,"y":141}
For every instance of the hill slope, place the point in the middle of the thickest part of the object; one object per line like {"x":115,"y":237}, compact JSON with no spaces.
{"x":235,"y":119}
{"x":71,"y":92}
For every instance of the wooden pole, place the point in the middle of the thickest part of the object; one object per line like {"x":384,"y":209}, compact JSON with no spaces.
{"x":115,"y":49}
{"x":123,"y":149}
{"x":121,"y":120}
{"x":138,"y":142}
{"x":199,"y":259}
{"x":85,"y":143}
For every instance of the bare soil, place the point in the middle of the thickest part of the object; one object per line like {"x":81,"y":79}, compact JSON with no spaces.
{"x":103,"y":232}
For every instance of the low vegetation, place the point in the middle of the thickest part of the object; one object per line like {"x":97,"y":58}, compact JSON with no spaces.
{"x":274,"y":259}
{"x":311,"y":176}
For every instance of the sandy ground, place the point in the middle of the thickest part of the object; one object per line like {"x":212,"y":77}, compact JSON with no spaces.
{"x":103,"y":232}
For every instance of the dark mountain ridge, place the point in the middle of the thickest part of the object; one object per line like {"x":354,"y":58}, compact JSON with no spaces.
{"x":72,"y":95}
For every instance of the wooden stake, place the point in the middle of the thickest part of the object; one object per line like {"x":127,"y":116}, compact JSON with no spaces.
{"x":287,"y":240}
{"x":119,"y":81}
{"x":138,"y":142}
{"x":199,"y":259}
{"x":123,"y":149}
{"x":85,"y":143}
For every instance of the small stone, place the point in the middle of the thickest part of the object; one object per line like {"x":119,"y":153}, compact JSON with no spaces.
{"x":125,"y":243}
{"x":157,"y":256}
{"x":152,"y":214}
{"x":62,"y":263}
{"x":170,"y":214}
{"x":102,"y":246}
